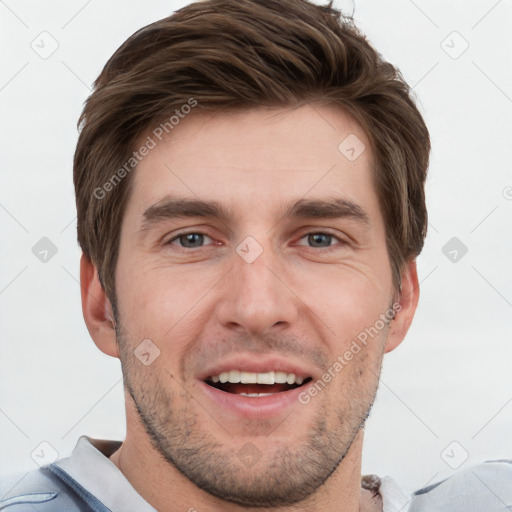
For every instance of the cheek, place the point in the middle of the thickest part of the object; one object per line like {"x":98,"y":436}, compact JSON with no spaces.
{"x":152,"y":295}
{"x":346,"y":300}
{"x":166,"y":306}
{"x":356,"y":365}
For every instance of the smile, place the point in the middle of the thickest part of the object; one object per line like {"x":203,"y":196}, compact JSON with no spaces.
{"x":255,"y":385}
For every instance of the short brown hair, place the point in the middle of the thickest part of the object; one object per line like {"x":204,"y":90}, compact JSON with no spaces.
{"x":237,"y":55}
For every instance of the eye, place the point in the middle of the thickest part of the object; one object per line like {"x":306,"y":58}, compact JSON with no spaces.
{"x":189,"y":240}
{"x":321,"y":239}
{"x":194,"y":240}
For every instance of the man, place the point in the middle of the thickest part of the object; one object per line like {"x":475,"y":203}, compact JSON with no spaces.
{"x":250,"y":193}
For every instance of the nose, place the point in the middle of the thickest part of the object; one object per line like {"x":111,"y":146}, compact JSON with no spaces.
{"x":257,"y":296}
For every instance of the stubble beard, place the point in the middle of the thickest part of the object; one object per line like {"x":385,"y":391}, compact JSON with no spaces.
{"x":290,"y":474}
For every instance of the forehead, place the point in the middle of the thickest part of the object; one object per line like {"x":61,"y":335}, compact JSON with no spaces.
{"x":255,"y":157}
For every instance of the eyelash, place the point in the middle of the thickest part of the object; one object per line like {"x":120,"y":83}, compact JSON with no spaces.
{"x":326,"y":249}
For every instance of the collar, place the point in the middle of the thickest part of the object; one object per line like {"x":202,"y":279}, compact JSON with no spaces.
{"x":394,"y":497}
{"x":90,"y":466}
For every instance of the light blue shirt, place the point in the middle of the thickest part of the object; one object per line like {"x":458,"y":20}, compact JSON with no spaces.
{"x":88,"y":481}
{"x":486,"y":487}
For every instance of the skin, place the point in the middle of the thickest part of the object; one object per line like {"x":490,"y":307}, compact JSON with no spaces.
{"x":302,"y":300}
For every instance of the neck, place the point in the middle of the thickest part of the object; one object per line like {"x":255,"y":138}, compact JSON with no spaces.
{"x":139,"y":462}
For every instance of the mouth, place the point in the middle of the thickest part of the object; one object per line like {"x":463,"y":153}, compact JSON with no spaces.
{"x":256,"y":385}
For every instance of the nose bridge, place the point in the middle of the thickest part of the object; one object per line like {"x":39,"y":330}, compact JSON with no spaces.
{"x":257,"y":298}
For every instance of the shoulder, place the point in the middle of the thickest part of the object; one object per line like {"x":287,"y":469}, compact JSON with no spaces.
{"x":486,"y":486}
{"x":37,"y":490}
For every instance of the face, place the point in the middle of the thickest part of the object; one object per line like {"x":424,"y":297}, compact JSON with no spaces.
{"x":253,"y":248}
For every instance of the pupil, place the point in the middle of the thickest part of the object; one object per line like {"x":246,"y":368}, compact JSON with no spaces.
{"x":195,"y":239}
{"x":317,"y":237}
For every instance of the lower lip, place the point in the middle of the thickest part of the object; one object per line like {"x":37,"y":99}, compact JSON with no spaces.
{"x":262,"y":407}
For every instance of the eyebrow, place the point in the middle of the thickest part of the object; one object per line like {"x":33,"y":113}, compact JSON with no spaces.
{"x":175,"y":208}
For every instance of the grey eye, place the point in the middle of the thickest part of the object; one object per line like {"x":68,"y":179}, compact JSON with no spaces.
{"x":320,"y":239}
{"x":190,"y":240}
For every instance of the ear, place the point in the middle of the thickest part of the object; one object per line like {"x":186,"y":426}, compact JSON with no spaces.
{"x":97,"y":309}
{"x":408,"y":300}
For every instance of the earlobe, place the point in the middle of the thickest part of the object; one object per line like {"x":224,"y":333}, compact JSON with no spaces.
{"x":408,"y":301}
{"x":97,"y":309}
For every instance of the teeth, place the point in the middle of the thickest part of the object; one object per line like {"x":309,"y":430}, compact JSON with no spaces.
{"x":234,"y":376}
{"x":273,"y":377}
{"x":281,"y":377}
{"x":248,"y":378}
{"x":265,"y":378}
{"x":256,"y":394}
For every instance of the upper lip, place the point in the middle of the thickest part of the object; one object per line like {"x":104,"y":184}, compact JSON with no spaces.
{"x":254,"y":364}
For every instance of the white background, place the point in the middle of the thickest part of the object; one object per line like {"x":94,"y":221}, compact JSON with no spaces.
{"x":451,"y":380}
